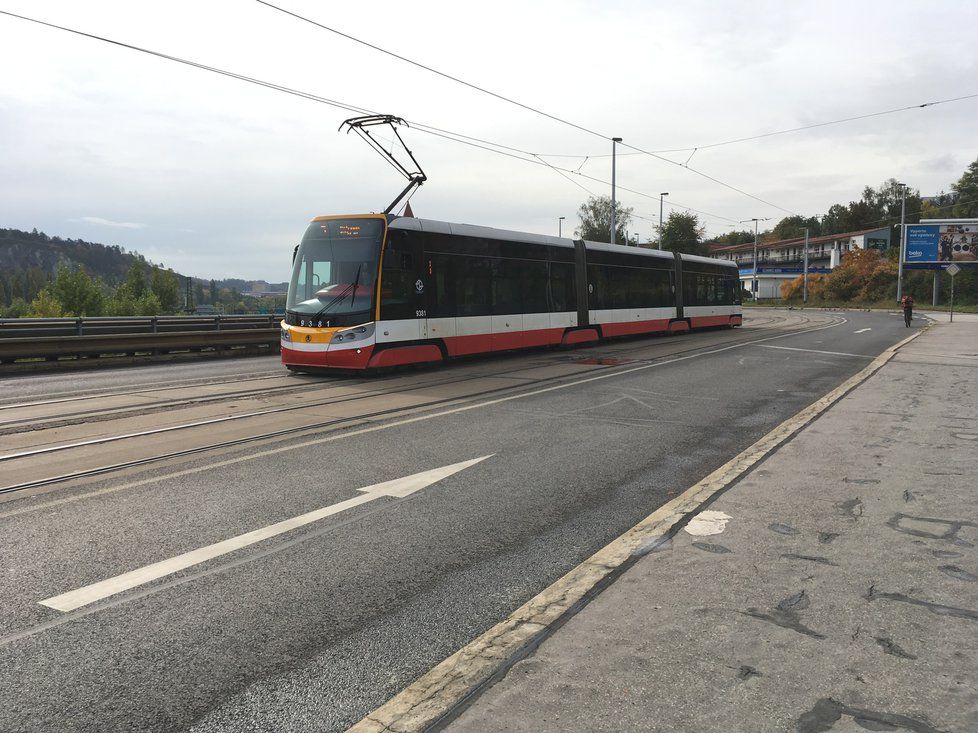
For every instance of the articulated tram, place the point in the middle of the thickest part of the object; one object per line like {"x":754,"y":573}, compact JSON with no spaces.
{"x":371,"y":291}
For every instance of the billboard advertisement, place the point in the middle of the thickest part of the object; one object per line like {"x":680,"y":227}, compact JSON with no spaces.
{"x":937,"y":245}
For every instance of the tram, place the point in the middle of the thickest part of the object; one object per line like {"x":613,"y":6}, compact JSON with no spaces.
{"x":374,"y":290}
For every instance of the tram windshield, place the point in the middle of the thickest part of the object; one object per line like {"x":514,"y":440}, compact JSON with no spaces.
{"x":335,"y":268}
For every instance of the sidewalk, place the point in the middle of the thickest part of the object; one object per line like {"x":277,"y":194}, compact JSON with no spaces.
{"x":839,"y":592}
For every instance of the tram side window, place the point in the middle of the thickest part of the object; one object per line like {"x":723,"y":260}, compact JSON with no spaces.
{"x":599,"y":287}
{"x":563,"y":287}
{"x":442,"y":301}
{"x":701,"y":289}
{"x":732,"y":290}
{"x":473,"y":286}
{"x":641,"y":288}
{"x":533,"y":284}
{"x":507,"y":295}
{"x":689,"y":288}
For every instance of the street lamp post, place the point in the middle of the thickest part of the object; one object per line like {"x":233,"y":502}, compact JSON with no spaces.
{"x":661,"y":197}
{"x":754,"y":273}
{"x":614,"y":142}
{"x":754,"y":277}
{"x":903,"y":239}
{"x":804,"y":280}
{"x":560,"y":221}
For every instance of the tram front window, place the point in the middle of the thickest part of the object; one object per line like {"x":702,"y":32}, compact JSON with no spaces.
{"x":335,"y":269}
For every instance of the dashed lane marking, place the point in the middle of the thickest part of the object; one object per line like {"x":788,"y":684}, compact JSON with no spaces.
{"x":818,"y":351}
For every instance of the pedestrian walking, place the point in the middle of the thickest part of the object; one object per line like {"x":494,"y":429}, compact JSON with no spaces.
{"x":907,"y":303}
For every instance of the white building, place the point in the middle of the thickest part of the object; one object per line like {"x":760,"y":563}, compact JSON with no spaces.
{"x":782,"y":261}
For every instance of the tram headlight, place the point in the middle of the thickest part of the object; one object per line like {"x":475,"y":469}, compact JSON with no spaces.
{"x":286,"y":335}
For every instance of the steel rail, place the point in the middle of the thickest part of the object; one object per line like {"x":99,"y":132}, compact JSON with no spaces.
{"x":287,"y":408}
{"x":80,"y":396}
{"x":37,"y":483}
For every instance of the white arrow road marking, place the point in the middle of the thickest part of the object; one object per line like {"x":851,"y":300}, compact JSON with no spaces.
{"x":398,"y":488}
{"x":863,"y":330}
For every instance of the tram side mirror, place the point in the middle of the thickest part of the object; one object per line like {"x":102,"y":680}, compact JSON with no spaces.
{"x":295,"y":251}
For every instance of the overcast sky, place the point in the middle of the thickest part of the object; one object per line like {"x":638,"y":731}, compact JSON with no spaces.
{"x":218,"y":178}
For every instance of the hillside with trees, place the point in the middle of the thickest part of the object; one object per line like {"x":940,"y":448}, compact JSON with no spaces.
{"x":46,"y":277}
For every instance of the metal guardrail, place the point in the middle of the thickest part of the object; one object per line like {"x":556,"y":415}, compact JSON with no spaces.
{"x":71,"y":339}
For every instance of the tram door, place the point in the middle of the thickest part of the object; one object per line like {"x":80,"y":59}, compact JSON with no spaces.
{"x":404,"y":296}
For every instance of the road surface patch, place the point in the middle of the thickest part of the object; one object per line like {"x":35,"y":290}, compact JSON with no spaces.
{"x":707,"y":523}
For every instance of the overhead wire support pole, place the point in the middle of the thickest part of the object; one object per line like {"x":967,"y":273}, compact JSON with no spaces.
{"x":661,"y":223}
{"x":754,"y":283}
{"x":613,"y":141}
{"x":903,"y":240}
{"x":361,"y":126}
{"x":754,"y":269}
{"x":804,"y":282}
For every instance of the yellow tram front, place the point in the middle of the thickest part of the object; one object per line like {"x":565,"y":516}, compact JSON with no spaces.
{"x":333,"y":303}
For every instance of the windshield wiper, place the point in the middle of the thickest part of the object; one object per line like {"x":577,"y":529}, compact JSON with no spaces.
{"x":356,"y":283}
{"x":340,"y":296}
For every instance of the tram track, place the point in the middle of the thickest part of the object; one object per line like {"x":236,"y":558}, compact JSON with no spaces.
{"x":69,"y":419}
{"x":338,"y":422}
{"x":76,"y":418}
{"x":83,"y":395}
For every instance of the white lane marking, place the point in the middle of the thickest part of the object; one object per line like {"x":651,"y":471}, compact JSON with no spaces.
{"x":818,"y":351}
{"x":398,"y":488}
{"x":398,"y":423}
{"x":863,"y":330}
{"x":707,"y":523}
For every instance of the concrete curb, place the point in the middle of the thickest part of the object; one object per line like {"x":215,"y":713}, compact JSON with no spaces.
{"x":439,"y":695}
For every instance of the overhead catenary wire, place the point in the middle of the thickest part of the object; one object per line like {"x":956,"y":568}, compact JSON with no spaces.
{"x":522,"y":105}
{"x":774,"y":133}
{"x":460,"y":138}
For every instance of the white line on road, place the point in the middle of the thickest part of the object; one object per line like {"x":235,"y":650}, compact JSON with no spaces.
{"x":398,"y":488}
{"x":818,"y":351}
{"x":401,"y":422}
{"x":863,"y":330}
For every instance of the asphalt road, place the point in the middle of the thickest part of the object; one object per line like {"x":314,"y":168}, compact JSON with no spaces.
{"x":314,"y":627}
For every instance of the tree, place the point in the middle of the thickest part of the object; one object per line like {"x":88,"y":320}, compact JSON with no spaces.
{"x":213,"y":293}
{"x":683,"y":233}
{"x":3,"y":294}
{"x":135,"y":281}
{"x":794,"y":226}
{"x":35,"y":282}
{"x":166,"y":288}
{"x":45,"y":305}
{"x":966,"y":193}
{"x":78,"y":294}
{"x":199,"y":293}
{"x":733,"y":238}
{"x":595,"y":216}
{"x":18,"y":308}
